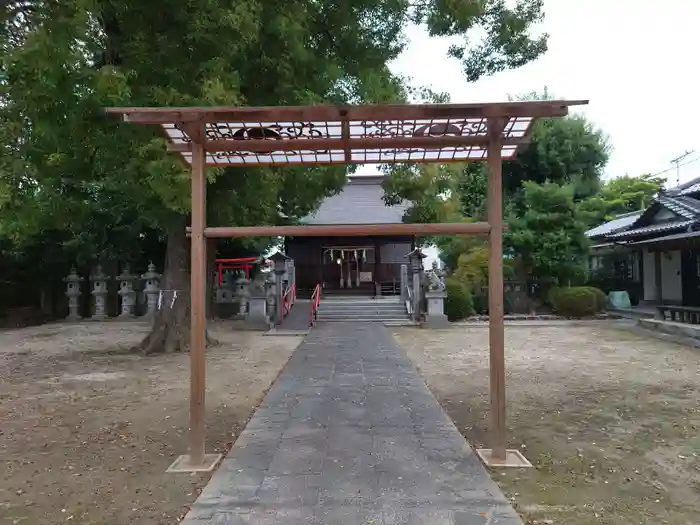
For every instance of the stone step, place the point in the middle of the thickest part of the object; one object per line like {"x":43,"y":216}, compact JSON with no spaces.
{"x":396,"y":322}
{"x":369,"y":306}
{"x":360,"y":300}
{"x":367,"y":312}
{"x":359,"y":307}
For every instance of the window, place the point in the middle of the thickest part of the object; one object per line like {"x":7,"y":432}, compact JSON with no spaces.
{"x":632,"y":266}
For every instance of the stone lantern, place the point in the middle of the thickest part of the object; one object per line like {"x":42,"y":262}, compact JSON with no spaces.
{"x":243,"y":293}
{"x":126,"y":290}
{"x":151,"y":289}
{"x":415,"y":259}
{"x":280,"y":267}
{"x":99,"y":292}
{"x":73,"y":281}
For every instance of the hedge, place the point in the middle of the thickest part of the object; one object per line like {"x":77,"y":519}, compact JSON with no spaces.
{"x":578,"y":301}
{"x":458,"y":303}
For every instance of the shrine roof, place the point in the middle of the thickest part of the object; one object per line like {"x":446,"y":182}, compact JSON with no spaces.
{"x":363,"y":134}
{"x":361,"y":201}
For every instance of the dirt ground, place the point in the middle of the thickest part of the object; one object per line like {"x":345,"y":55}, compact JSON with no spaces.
{"x":86,"y":432}
{"x":609,"y":418}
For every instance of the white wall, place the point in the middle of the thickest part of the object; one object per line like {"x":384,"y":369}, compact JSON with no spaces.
{"x":649,"y":277}
{"x":671,"y":287}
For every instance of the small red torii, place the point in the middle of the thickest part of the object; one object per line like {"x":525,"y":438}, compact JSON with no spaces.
{"x":240,"y":263}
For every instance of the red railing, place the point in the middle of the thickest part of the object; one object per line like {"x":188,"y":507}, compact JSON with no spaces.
{"x":288,"y":301}
{"x":315,"y":302}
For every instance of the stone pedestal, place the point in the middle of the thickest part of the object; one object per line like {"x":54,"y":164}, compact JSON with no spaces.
{"x":271,"y":294}
{"x":99,"y":292}
{"x":404,"y":282}
{"x":126,"y":291}
{"x":436,"y":317}
{"x":73,"y":293}
{"x":243,"y":294}
{"x":257,"y":312}
{"x":415,"y":258}
{"x":151,"y":289}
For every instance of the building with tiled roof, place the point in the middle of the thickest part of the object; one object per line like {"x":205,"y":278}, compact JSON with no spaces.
{"x":352,"y":265}
{"x":656,"y":250}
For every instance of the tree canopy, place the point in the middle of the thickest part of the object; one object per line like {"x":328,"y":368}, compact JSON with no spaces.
{"x":68,"y":167}
{"x":621,"y":195}
{"x":549,"y":239}
{"x":568,"y":152}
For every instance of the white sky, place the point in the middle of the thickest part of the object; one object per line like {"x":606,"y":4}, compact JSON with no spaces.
{"x":633,"y":59}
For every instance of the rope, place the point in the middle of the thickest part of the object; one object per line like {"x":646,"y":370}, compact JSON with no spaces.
{"x":172,"y":301}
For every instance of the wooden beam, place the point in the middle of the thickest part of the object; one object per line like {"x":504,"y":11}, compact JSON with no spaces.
{"x":350,"y":230}
{"x":372,"y":112}
{"x":298,"y":161}
{"x":198,"y":326}
{"x":496,"y":324}
{"x":341,"y":144}
{"x":347,"y":141}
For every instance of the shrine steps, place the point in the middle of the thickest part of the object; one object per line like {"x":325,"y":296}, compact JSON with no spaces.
{"x":361,"y":309}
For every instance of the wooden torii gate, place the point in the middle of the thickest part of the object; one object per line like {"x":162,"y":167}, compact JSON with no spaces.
{"x":364,"y":134}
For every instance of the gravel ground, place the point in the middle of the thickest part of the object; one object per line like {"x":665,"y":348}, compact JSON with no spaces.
{"x":608,"y":417}
{"x":87,"y":432}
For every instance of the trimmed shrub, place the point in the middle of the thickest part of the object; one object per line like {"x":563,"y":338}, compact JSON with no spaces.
{"x":551,"y":296}
{"x":600,"y":297}
{"x":458,"y":303}
{"x":517,"y":302}
{"x":577,"y":301}
{"x":480,"y":300}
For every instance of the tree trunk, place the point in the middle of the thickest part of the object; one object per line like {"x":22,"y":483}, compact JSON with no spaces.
{"x":171,"y":324}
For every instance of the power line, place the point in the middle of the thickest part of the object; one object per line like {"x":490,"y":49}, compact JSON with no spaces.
{"x":676,"y":161}
{"x":691,"y":161}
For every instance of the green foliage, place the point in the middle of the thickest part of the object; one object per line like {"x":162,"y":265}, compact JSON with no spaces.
{"x":67,"y":165}
{"x":567,"y":152}
{"x":429,"y":189}
{"x":549,"y":238}
{"x":505,"y":43}
{"x":458,"y":303}
{"x":621,"y":195}
{"x":600,"y":298}
{"x":473,"y":268}
{"x":452,"y":247}
{"x":472,"y":185}
{"x":578,"y":301}
{"x":563,"y":151}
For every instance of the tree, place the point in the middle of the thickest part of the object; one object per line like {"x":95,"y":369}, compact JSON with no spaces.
{"x":63,"y":61}
{"x":621,"y":195}
{"x":549,"y":239}
{"x":568,"y":151}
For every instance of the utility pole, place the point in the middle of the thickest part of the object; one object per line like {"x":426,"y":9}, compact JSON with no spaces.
{"x":677,"y":161}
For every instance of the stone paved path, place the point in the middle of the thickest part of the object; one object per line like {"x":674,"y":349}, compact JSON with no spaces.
{"x":349,"y":434}
{"x":298,"y":318}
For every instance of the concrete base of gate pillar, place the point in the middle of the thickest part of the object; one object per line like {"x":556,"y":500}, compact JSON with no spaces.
{"x":182,"y":464}
{"x":513,"y":459}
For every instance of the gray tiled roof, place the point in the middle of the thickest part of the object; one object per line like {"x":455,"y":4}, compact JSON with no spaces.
{"x":653,"y":228}
{"x":693,"y":188}
{"x":360,"y":202}
{"x":687,"y":188}
{"x":618,"y":223}
{"x":686,"y":207}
